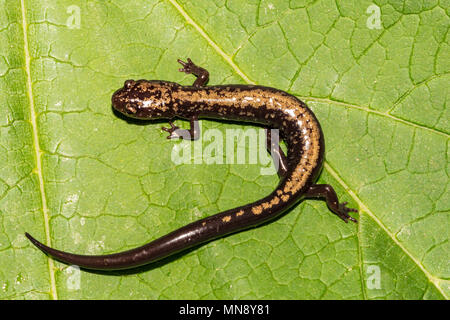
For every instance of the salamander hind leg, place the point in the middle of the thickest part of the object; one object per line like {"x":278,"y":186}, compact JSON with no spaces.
{"x":326,"y":191}
{"x":201,"y":73}
{"x":176,"y":133}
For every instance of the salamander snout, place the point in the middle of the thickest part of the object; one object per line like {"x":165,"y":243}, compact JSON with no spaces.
{"x":121,"y":99}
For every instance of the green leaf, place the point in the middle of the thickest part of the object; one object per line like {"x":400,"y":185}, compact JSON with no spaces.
{"x":81,"y":179}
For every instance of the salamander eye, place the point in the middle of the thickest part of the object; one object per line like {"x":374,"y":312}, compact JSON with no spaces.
{"x":129,"y":83}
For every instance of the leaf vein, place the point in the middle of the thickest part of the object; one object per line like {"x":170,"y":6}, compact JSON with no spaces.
{"x":210,"y":41}
{"x":37,"y":149}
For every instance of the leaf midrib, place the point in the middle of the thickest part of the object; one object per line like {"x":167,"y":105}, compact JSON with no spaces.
{"x":37,"y":149}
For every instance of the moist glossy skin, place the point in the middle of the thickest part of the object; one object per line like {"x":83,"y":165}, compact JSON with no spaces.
{"x":270,"y":107}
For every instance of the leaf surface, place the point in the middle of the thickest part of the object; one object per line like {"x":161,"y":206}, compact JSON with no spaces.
{"x":81,"y":179}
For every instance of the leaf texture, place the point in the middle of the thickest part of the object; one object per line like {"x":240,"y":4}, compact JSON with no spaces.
{"x":83,"y":180}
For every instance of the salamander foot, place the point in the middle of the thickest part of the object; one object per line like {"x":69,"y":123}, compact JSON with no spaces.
{"x":343,"y":210}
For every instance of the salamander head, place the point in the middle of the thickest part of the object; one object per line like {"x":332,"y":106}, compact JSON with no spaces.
{"x":144,"y":99}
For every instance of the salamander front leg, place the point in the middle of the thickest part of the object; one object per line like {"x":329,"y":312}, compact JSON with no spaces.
{"x":176,"y":133}
{"x":277,"y":153}
{"x":190,"y":67}
{"x":326,"y":191}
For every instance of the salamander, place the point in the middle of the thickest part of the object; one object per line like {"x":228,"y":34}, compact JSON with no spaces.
{"x":272,"y":108}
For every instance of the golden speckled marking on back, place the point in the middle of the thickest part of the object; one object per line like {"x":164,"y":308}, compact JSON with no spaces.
{"x":273,"y":108}
{"x":269,"y":106}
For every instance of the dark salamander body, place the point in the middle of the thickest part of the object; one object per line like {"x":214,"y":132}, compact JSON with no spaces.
{"x":270,"y":107}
